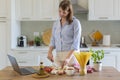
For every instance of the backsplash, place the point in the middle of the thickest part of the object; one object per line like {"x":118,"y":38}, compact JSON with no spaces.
{"x":105,"y":27}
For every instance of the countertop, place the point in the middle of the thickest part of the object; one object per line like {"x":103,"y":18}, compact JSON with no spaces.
{"x":113,"y":47}
{"x":108,"y":73}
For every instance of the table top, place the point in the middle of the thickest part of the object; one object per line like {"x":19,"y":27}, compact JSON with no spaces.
{"x":108,"y":73}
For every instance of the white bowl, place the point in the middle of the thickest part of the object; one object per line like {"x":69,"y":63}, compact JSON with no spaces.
{"x":69,"y":72}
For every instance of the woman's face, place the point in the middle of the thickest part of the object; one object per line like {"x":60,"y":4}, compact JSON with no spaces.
{"x":63,"y":13}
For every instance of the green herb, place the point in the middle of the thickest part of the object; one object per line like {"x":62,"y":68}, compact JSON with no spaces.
{"x":97,"y":55}
{"x":38,"y":40}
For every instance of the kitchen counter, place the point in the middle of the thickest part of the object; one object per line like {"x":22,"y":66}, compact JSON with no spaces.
{"x":108,"y":73}
{"x":113,"y":47}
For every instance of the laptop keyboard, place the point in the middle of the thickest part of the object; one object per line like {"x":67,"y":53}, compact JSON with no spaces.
{"x":24,"y":71}
{"x":27,"y":70}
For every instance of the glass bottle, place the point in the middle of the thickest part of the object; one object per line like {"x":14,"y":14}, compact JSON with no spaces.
{"x":41,"y":70}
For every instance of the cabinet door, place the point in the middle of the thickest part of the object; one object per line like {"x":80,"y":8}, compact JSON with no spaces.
{"x":109,"y":59}
{"x":24,"y":7}
{"x":2,"y":44}
{"x":102,"y":9}
{"x":25,"y":58}
{"x":119,"y":8}
{"x":118,"y":61}
{"x":49,"y":9}
{"x":3,"y":9}
{"x":37,"y":9}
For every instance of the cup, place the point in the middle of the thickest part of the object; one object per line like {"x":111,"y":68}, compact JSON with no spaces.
{"x":31,"y":43}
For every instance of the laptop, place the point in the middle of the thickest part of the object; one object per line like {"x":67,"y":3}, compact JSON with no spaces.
{"x":21,"y":71}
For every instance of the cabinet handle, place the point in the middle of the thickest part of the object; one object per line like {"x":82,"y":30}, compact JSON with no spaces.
{"x":22,"y":52}
{"x":107,"y":52}
{"x":47,"y":18}
{"x":25,"y":18}
{"x":3,"y":17}
{"x":2,"y":21}
{"x":22,"y":62}
{"x":103,"y":17}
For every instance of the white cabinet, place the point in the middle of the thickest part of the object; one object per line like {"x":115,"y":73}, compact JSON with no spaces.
{"x":119,"y":8}
{"x":37,"y":9}
{"x":110,"y":59}
{"x":31,"y":58}
{"x":24,"y":9}
{"x":25,"y":58}
{"x":3,"y":27}
{"x":118,"y":61}
{"x":49,"y":9}
{"x":3,"y":9}
{"x":103,"y":9}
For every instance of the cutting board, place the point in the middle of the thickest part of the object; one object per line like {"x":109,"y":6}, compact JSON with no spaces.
{"x":46,"y":36}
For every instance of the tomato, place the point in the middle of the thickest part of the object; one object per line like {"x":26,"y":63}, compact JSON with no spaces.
{"x":47,"y":69}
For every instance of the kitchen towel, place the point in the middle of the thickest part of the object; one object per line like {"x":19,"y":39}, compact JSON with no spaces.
{"x":106,"y":40}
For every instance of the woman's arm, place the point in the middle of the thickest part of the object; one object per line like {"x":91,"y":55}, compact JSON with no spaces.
{"x":52,"y":44}
{"x":77,"y":35}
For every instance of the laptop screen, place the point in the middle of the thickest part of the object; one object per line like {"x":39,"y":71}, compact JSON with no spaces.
{"x":14,"y":64}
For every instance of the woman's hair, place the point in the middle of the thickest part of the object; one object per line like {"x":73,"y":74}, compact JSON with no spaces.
{"x":66,"y":5}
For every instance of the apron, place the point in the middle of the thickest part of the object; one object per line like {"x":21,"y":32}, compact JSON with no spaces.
{"x":61,"y":56}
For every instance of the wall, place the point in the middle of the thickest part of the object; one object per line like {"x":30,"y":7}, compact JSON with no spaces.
{"x":105,"y":27}
{"x":29,"y":27}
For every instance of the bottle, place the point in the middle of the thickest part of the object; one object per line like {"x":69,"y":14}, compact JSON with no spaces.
{"x":41,"y":70}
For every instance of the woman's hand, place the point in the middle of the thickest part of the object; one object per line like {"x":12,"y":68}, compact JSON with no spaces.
{"x":66,"y":62}
{"x":50,"y":56}
{"x":68,"y":57}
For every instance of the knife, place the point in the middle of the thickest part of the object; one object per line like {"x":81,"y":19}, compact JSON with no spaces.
{"x":53,"y":64}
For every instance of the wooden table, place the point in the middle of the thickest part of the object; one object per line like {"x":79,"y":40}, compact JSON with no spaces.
{"x":108,"y":73}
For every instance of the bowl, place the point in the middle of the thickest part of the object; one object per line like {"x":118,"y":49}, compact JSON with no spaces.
{"x":70,"y":71}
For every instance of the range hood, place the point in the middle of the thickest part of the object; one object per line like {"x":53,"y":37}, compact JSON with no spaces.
{"x":80,"y":6}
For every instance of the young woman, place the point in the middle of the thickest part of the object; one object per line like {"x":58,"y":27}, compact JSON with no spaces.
{"x":66,"y":35}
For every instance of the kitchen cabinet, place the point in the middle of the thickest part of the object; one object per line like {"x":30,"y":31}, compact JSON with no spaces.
{"x":25,"y":58}
{"x":24,"y":9}
{"x":3,"y":9}
{"x":118,"y":61}
{"x":37,"y":9}
{"x":119,"y":8}
{"x":110,"y":59}
{"x":49,"y":9}
{"x":31,"y":58}
{"x":3,"y":38}
{"x":103,"y":9}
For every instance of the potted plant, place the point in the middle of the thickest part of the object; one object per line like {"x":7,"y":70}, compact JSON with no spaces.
{"x":38,"y":41}
{"x":97,"y":56}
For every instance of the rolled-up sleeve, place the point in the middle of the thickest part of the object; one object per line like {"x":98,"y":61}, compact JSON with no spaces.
{"x":77,"y":35}
{"x":52,"y":41}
